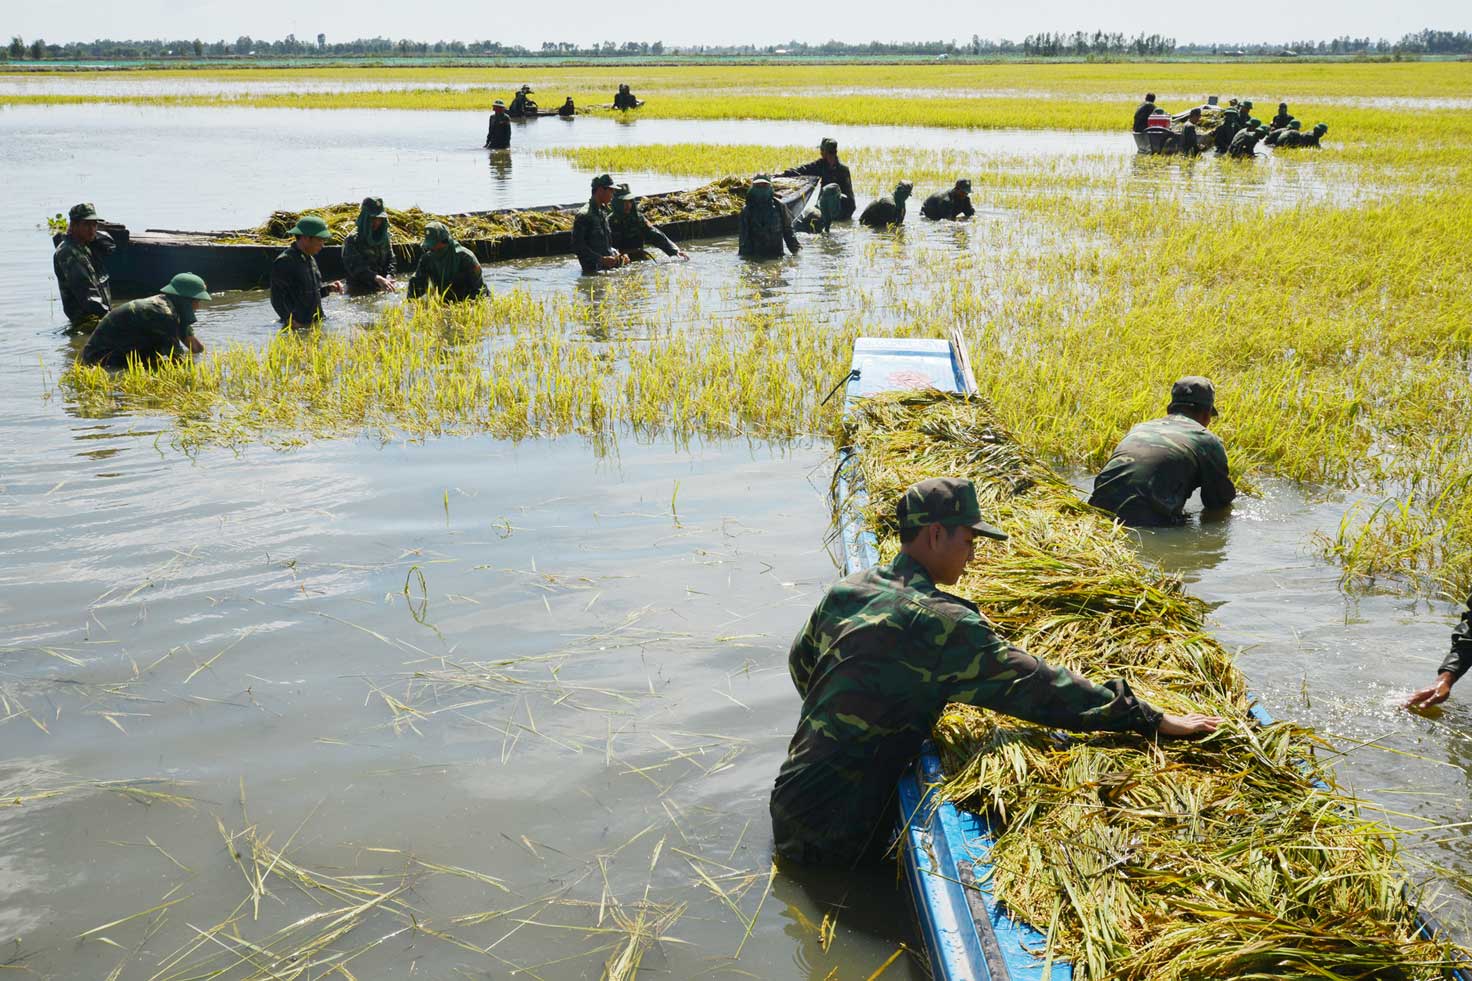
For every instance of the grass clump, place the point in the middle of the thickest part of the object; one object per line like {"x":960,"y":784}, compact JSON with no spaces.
{"x":1171,"y":860}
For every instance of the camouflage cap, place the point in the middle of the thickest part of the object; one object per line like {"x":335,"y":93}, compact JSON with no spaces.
{"x":1246,"y":103}
{"x":83,"y":212}
{"x":948,"y":501}
{"x":188,"y":286}
{"x":435,"y":233}
{"x":828,"y":144}
{"x":603,"y":180}
{"x":1194,"y":392}
{"x":312,"y":226}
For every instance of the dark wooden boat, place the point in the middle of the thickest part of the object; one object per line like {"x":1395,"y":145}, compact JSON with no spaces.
{"x":145,"y":261}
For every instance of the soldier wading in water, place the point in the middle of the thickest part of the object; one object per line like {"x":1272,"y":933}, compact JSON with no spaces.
{"x":879,"y":659}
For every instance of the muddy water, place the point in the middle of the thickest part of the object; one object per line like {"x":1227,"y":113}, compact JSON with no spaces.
{"x":584,"y":697}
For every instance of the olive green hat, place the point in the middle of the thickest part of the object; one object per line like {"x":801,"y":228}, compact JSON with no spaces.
{"x":435,"y":233}
{"x":499,"y":104}
{"x":1194,"y":392}
{"x":312,"y":226}
{"x":373,"y":208}
{"x":1321,"y":128}
{"x":621,"y":192}
{"x":188,"y":286}
{"x":828,"y":143}
{"x":83,"y":212}
{"x":603,"y":180}
{"x":947,"y":501}
{"x":1294,"y":124}
{"x":963,"y":185}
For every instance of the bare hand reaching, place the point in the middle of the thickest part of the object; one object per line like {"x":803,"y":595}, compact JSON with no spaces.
{"x":1194,"y":724}
{"x":1434,"y":695}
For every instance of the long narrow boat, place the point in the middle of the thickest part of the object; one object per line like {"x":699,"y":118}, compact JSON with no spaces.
{"x":146,"y":260}
{"x":945,"y":851}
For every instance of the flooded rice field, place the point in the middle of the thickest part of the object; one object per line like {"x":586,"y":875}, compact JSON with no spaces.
{"x":507,"y":706}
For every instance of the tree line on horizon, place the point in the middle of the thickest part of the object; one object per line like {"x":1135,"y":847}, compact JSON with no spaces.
{"x":1079,"y":44}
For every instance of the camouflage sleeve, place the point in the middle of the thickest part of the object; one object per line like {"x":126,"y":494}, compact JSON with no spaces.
{"x":582,"y":247}
{"x":1217,"y":489}
{"x":1460,"y":659}
{"x":976,"y":666}
{"x":788,"y":235}
{"x":968,"y":209}
{"x":419,"y":281}
{"x":78,"y":279}
{"x":469,"y":281}
{"x":743,"y":238}
{"x":804,"y":654}
{"x":658,"y":238}
{"x":814,"y":169}
{"x":354,"y":262}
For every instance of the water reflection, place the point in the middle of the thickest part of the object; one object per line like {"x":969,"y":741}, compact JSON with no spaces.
{"x":500,"y":162}
{"x":844,"y":901}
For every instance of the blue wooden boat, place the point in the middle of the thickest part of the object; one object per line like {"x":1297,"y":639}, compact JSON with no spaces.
{"x":944,"y":851}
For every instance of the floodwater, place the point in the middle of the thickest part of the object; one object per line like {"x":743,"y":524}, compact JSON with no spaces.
{"x":559,"y":667}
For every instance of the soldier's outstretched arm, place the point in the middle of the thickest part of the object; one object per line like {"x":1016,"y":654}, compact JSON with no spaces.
{"x":1456,"y":664}
{"x":1217,"y":489}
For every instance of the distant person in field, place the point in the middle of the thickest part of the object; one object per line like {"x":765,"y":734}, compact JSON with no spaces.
{"x":1189,"y":142}
{"x":522,"y":104}
{"x":1280,"y":121}
{"x":592,"y":238}
{"x":446,"y":268}
{"x":567,"y":109}
{"x":829,"y":170}
{"x":1452,"y":668}
{"x":1244,"y":144}
{"x":951,"y":205}
{"x":765,"y":224}
{"x":888,"y":209}
{"x":624,"y":99}
{"x":296,"y":282}
{"x":79,"y":262}
{"x":1144,"y":112}
{"x":498,"y":131}
{"x":1294,"y":139}
{"x":819,"y":220}
{"x":367,"y":254}
{"x":632,"y":231}
{"x":1275,"y":136}
{"x":152,"y":329}
{"x":1157,"y":466}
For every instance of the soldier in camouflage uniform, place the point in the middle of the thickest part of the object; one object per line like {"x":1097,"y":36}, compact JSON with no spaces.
{"x":1293,"y":139}
{"x":81,"y":270}
{"x":765,"y":223}
{"x":592,"y":239}
{"x":446,"y":268}
{"x":367,"y":254}
{"x":1456,"y":664}
{"x":1244,"y":144}
{"x":1155,"y":468}
{"x":888,"y":209}
{"x":1276,"y":135}
{"x":522,"y":104}
{"x":296,"y":282}
{"x":879,"y":659}
{"x":829,"y":170}
{"x":950,"y":205}
{"x":819,"y":220}
{"x":498,"y":129}
{"x":151,"y":329}
{"x":630,"y":231}
{"x":1281,"y":120}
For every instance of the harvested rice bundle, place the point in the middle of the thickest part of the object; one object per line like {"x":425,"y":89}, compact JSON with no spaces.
{"x":1234,"y":856}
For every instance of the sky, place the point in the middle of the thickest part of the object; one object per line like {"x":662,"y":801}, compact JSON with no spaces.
{"x":697,"y":22}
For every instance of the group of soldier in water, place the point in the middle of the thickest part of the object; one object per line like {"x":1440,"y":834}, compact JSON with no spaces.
{"x":1236,"y":134}
{"x":887,"y":648}
{"x":498,"y":129}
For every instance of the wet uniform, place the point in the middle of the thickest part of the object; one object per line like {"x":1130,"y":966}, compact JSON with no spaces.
{"x":883,"y":211}
{"x":836,"y":174}
{"x":876,"y":663}
{"x":765,"y":227}
{"x":591,"y":237}
{"x":296,"y":287}
{"x":81,"y":276}
{"x":630,"y":231}
{"x":498,"y":131}
{"x":1244,"y":144}
{"x":364,"y":258}
{"x":945,"y":205}
{"x":1146,"y":110}
{"x":1155,"y":468}
{"x":150,"y":329}
{"x":1460,"y":659}
{"x":454,"y":279}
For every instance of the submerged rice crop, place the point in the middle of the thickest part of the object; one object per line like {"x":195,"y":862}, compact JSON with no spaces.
{"x":1171,"y":860}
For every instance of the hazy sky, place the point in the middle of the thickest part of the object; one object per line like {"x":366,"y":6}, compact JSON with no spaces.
{"x":694,"y":22}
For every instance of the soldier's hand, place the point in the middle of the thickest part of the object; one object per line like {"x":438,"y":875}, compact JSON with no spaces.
{"x":335,"y":286}
{"x":386,"y":284}
{"x":1194,"y":724}
{"x":610,"y":261}
{"x":1434,"y":695}
{"x":681,"y":254}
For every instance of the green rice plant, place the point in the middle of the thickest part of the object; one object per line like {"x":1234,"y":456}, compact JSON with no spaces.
{"x":1150,"y":860}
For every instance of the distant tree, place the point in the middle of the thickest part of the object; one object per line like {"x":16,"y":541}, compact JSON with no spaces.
{"x":198,"y":48}
{"x":17,"y":48}
{"x":321,"y":40}
{"x":244,"y":45}
{"x":38,"y":49}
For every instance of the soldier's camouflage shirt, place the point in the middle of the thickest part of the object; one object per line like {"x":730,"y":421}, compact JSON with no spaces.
{"x":150,"y":329}
{"x":591,"y":237}
{"x":631,"y":231}
{"x":1460,"y":658}
{"x":296,"y":287}
{"x":1155,"y":468}
{"x":837,"y":173}
{"x":363,"y":260}
{"x":877,"y":662}
{"x":764,"y":228}
{"x":945,"y":205}
{"x":82,"y":279}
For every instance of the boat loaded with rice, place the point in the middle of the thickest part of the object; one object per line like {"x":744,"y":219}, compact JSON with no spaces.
{"x":1035,"y":855}
{"x":241,"y":259}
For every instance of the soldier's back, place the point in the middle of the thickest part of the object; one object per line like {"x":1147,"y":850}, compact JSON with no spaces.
{"x":1154,"y":470}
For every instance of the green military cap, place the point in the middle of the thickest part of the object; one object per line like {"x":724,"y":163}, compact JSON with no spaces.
{"x":948,"y":501}
{"x":762,"y":179}
{"x":1246,"y":103}
{"x":964,"y":185}
{"x":501,"y":103}
{"x":373,"y":208}
{"x":435,"y":233}
{"x":1294,"y":124}
{"x":312,"y":226}
{"x":621,"y":192}
{"x":188,"y":286}
{"x":83,"y":212}
{"x":1321,"y":128}
{"x":828,"y":143}
{"x":526,"y":88}
{"x":603,"y":180}
{"x":1195,"y":392}
{"x":1253,"y":122}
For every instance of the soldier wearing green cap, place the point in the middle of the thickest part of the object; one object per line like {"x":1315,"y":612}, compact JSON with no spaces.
{"x":1157,"y":466}
{"x":630,"y":231}
{"x":296,"y":282}
{"x":592,"y":239}
{"x":151,"y":329}
{"x":1244,"y":144}
{"x":498,"y":132}
{"x":1275,"y":136}
{"x":829,"y":170}
{"x":878,"y":660}
{"x":624,"y":99}
{"x":81,"y":268}
{"x":819,"y":220}
{"x":950,"y":205}
{"x":367,"y":254}
{"x":1294,"y":139}
{"x":522,"y":104}
{"x":446,"y":267}
{"x":765,"y":224}
{"x":887,"y":209}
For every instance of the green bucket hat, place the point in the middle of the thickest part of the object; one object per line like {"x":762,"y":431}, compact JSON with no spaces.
{"x":603,"y":180}
{"x":311,"y":226}
{"x":499,"y":104}
{"x":947,"y":501}
{"x":1194,"y":392}
{"x":187,"y":286}
{"x":83,"y":212}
